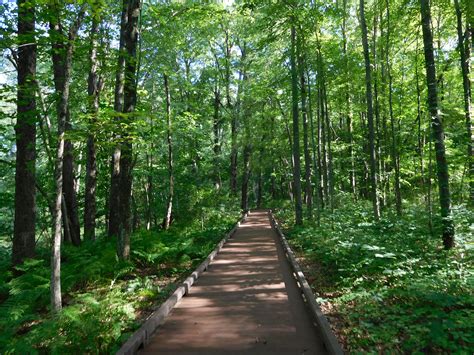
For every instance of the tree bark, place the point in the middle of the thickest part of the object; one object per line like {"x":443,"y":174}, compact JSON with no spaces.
{"x":217,"y":144}
{"x":296,"y":132}
{"x":304,"y":114}
{"x":169,"y":204}
{"x":370,"y":114}
{"x":90,"y":208}
{"x":130,"y":100}
{"x":245,"y":178}
{"x":437,"y":126}
{"x":352,"y":176}
{"x":62,"y":57}
{"x":62,"y":51}
{"x":464,"y":53}
{"x":114,"y":193}
{"x":394,"y":150}
{"x":25,"y":129}
{"x":316,"y":169}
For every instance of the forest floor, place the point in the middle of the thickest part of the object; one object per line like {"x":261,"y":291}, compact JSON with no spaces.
{"x":247,"y":302}
{"x":104,"y":300}
{"x":385,"y":287}
{"x":390,"y":287}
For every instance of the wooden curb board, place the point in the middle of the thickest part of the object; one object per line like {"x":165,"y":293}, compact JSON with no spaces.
{"x":330,"y":341}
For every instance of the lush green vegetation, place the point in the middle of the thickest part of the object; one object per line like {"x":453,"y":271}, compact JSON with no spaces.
{"x":387,"y":286}
{"x":131,"y":131}
{"x":104,"y":299}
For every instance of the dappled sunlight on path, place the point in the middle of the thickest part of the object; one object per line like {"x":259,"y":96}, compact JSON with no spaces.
{"x":246,"y":303}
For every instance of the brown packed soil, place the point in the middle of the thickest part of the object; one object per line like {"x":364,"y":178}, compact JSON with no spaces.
{"x":247,"y":302}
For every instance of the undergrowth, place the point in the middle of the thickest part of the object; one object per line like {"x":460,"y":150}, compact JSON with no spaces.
{"x":104,"y":299}
{"x":390,"y":286}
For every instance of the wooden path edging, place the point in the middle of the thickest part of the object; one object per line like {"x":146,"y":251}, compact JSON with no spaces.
{"x":330,"y":340}
{"x":142,"y":336}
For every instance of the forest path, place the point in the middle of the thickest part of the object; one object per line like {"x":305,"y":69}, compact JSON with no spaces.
{"x":247,"y":302}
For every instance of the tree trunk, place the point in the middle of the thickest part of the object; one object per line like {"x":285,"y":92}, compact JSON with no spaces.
{"x":62,"y":51}
{"x":370,"y":114}
{"x":296,"y":132}
{"x":25,"y":129}
{"x":330,"y":164}
{"x":394,"y":150}
{"x":90,"y":208}
{"x":169,"y":204}
{"x":437,"y":126}
{"x":62,"y":56}
{"x":352,"y":177}
{"x":114,"y":193}
{"x":304,"y":113}
{"x":314,"y":151}
{"x":245,"y":177}
{"x":130,"y":99}
{"x":464,"y":53}
{"x":217,"y":144}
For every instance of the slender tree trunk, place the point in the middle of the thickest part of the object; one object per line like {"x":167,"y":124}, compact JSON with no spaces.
{"x":62,"y":51}
{"x":421,"y":136}
{"x":314,"y":152}
{"x":169,"y":204}
{"x":304,"y":114}
{"x":130,"y":99}
{"x":62,"y":56}
{"x":245,"y":178}
{"x":25,"y":129}
{"x":348,"y":108}
{"x":394,"y":150}
{"x":217,"y":143}
{"x":323,"y":142}
{"x":260,"y":178}
{"x":437,"y":126}
{"x":296,"y":132}
{"x":330,"y":164}
{"x":370,"y":114}
{"x":321,"y":152}
{"x":376,"y":106}
{"x":233,"y":155}
{"x":234,"y":133}
{"x":114,"y":193}
{"x":464,"y":53}
{"x":90,"y":208}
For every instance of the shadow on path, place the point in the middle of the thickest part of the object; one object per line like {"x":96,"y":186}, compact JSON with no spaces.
{"x":246,"y":303}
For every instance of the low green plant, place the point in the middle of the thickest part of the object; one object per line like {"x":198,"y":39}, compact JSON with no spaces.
{"x":392,"y":286}
{"x":104,"y":299}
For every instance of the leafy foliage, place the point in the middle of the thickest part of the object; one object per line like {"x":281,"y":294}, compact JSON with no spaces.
{"x":389,"y":286}
{"x":105,"y":299}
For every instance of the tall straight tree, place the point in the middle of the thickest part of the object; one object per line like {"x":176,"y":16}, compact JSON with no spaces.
{"x":370,"y":113}
{"x":114,"y":193}
{"x":465,"y":56}
{"x":62,"y":52}
{"x":304,"y":114}
{"x":130,"y":100}
{"x":437,"y":126}
{"x":25,"y":180}
{"x":93,"y":87}
{"x":169,"y":203}
{"x":62,"y":58}
{"x":296,"y":132}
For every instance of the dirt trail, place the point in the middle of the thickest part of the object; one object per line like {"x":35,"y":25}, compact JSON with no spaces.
{"x":247,"y":302}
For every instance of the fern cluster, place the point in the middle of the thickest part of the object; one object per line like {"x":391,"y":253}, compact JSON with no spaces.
{"x":104,"y":299}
